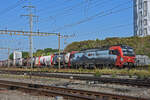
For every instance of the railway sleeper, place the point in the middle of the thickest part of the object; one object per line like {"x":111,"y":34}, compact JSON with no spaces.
{"x":34,"y":85}
{"x":12,"y":88}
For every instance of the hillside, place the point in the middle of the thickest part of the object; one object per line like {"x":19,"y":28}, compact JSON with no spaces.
{"x":141,"y":45}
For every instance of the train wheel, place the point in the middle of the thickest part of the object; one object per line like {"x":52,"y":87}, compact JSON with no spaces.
{"x":91,"y":66}
{"x":130,"y":65}
{"x":100,"y":66}
{"x":76,"y":66}
{"x":111,"y":66}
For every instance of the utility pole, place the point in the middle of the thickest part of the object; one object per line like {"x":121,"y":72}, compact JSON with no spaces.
{"x":8,"y":57}
{"x":59,"y":37}
{"x":59,"y":50}
{"x":30,"y":15}
{"x":67,"y":37}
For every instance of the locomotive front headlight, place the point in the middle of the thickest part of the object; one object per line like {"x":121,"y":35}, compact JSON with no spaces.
{"x":121,"y":59}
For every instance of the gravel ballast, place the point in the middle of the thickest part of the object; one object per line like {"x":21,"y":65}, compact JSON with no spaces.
{"x":76,"y":84}
{"x":16,"y":95}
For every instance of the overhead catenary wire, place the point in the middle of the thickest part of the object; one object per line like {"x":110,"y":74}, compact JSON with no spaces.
{"x":117,"y":26}
{"x":103,"y":31}
{"x":37,"y":2}
{"x":12,"y":8}
{"x":41,"y":11}
{"x":100,"y":14}
{"x":92,"y":6}
{"x":65,"y":12}
{"x":10,"y":42}
{"x":106,"y":29}
{"x":97,"y":3}
{"x":65,"y":9}
{"x":6,"y":10}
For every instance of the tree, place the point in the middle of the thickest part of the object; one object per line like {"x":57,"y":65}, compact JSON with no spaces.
{"x":11,"y":56}
{"x":141,"y":45}
{"x":39,"y":52}
{"x":24,"y":55}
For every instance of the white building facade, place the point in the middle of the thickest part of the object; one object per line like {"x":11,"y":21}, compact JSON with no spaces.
{"x":141,"y":17}
{"x":17,"y":58}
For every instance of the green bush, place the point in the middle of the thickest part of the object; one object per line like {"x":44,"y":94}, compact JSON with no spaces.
{"x":97,"y":74}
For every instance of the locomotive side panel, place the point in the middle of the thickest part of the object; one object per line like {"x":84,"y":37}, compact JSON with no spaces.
{"x":95,"y":57}
{"x":77,"y":58}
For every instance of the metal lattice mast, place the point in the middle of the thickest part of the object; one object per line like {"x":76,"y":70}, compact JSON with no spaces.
{"x":59,"y":50}
{"x":30,"y":15}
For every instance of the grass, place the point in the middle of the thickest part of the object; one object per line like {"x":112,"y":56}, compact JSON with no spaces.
{"x":26,"y":77}
{"x":97,"y":72}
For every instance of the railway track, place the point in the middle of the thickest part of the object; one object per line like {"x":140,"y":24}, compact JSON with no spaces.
{"x":132,"y":82}
{"x":66,"y":93}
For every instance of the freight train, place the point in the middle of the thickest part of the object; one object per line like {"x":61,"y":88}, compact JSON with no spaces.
{"x":117,"y":55}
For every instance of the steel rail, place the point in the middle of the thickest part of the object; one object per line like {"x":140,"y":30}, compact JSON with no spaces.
{"x":46,"y":92}
{"x":132,"y":82}
{"x":65,"y":92}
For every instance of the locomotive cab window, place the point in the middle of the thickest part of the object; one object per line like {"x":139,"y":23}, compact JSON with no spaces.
{"x":114,"y":52}
{"x":128,"y":52}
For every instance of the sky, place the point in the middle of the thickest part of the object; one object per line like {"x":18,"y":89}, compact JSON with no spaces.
{"x":80,"y":19}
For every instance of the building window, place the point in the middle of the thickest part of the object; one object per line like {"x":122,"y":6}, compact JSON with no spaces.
{"x":136,"y":28}
{"x":145,"y":13}
{"x":140,"y":32}
{"x":145,"y":31}
{"x":145,"y":8}
{"x":145,"y":22}
{"x":140,"y":4}
{"x":145,"y":5}
{"x":140,"y":19}
{"x":141,"y":23}
{"x":140,"y":14}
